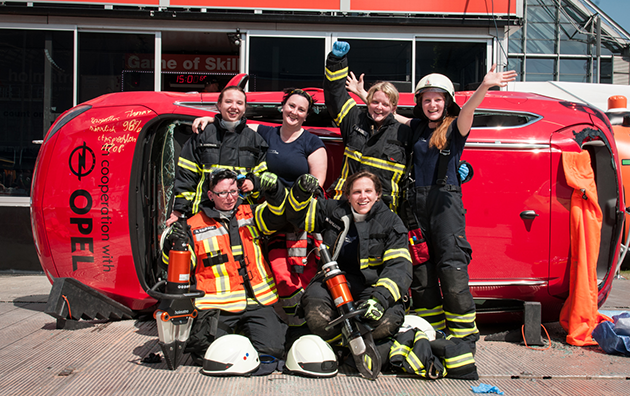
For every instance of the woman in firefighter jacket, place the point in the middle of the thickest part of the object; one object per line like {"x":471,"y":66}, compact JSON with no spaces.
{"x":229,"y":266}
{"x":291,"y":144}
{"x":440,"y":292}
{"x":226,"y":143}
{"x":368,"y":241}
{"x":374,"y":140}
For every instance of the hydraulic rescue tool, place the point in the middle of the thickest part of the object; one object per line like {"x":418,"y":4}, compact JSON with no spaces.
{"x":357,"y":334}
{"x":176,"y":311}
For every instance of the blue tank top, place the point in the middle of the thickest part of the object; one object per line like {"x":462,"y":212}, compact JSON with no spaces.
{"x":288,"y":160}
{"x":425,"y":159}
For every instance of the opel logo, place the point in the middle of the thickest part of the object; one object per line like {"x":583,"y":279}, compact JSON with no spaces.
{"x":82,"y":161}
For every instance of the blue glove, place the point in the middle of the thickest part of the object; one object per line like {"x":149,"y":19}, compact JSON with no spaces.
{"x":463,"y":172}
{"x":340,"y":48}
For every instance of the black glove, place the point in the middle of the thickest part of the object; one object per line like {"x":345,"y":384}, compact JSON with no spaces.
{"x":307,"y":183}
{"x":374,"y":308}
{"x":269,"y":183}
{"x":177,"y":233}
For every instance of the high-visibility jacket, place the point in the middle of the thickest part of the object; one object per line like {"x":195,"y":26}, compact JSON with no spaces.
{"x":383,"y":151}
{"x":228,"y":262}
{"x":243,"y":151}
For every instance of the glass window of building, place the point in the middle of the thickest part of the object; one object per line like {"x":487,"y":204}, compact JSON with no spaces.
{"x":198,"y":61}
{"x":575,"y":70}
{"x":276,"y":63}
{"x":36,"y":68}
{"x":104,"y":63}
{"x":381,"y":60}
{"x":540,"y":69}
{"x":464,"y":62}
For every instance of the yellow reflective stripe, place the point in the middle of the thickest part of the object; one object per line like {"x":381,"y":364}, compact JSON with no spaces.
{"x":350,"y":103}
{"x":337,"y":75}
{"x":435,"y":316}
{"x":461,"y":333}
{"x":367,"y":361}
{"x":237,"y":250}
{"x":165,"y":258}
{"x":187,"y":195}
{"x":335,"y":339}
{"x":193,"y":257}
{"x":391,"y":286}
{"x":459,"y":361}
{"x":266,"y":295}
{"x":309,"y":221}
{"x":397,"y":253}
{"x":439,"y":310}
{"x":258,"y":212}
{"x":383,"y":164}
{"x":363,"y":263}
{"x":295,"y":204}
{"x":415,"y":363}
{"x":221,"y":278}
{"x":198,"y":194}
{"x":279,"y":210}
{"x":260,"y":168}
{"x":465,"y":318}
{"x":399,"y":349}
{"x":353,"y":154}
{"x":188,"y":165}
{"x":375,"y":261}
{"x":419,"y":336}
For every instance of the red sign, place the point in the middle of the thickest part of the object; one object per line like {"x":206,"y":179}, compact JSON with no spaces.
{"x":184,"y":63}
{"x":459,"y":7}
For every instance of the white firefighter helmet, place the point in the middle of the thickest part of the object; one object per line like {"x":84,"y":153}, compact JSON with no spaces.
{"x":416,"y":322}
{"x":231,"y":354}
{"x":437,"y":83}
{"x":311,"y":356}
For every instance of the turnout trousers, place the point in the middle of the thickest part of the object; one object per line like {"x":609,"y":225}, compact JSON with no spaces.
{"x":439,"y":290}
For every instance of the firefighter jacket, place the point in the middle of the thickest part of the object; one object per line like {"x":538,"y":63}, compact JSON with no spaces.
{"x":383,"y":151}
{"x":243,"y":150}
{"x":383,"y":254}
{"x":227,"y":261}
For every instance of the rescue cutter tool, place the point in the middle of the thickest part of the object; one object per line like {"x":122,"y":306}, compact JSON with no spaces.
{"x":175,"y":314}
{"x":356,"y":334}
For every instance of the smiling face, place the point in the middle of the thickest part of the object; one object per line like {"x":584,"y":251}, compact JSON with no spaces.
{"x":224,"y":194}
{"x":232,"y":105}
{"x":380,"y":107}
{"x":433,"y":105}
{"x":294,"y":111}
{"x":362,"y":195}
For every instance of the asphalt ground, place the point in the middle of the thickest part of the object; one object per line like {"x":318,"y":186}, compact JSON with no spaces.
{"x":107,"y":359}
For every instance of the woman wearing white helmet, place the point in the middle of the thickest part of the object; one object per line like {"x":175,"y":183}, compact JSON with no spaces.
{"x":440,"y":289}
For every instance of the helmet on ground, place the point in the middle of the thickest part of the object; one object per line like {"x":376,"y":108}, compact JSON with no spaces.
{"x":416,"y":322}
{"x":436,"y":82}
{"x":231,"y":354}
{"x":311,"y":356}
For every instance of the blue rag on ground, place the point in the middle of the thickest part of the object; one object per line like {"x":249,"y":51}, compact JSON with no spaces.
{"x":485,"y":388}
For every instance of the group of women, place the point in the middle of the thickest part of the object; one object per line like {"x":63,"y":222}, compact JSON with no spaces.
{"x":367,"y":237}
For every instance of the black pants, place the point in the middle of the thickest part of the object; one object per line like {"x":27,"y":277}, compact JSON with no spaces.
{"x":259,"y":323}
{"x":439,"y":290}
{"x":319,"y":310}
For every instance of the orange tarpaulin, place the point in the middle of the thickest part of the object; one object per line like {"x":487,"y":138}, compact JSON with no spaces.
{"x":579,"y":315}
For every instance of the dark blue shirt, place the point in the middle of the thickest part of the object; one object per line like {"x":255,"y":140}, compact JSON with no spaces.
{"x":425,"y":159}
{"x":288,"y":160}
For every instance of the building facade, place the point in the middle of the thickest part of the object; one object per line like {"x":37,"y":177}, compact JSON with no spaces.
{"x":56,"y":54}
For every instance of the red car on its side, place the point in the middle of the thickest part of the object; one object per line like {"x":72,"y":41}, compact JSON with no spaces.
{"x":103,"y":185}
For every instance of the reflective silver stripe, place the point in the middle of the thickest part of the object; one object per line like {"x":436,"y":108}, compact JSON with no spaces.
{"x":209,"y":232}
